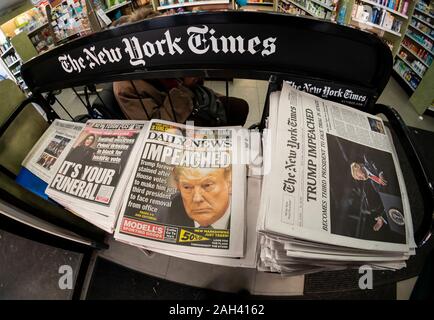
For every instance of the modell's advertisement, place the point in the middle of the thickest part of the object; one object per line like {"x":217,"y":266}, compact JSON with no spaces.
{"x":94,"y":165}
{"x":182,"y":189}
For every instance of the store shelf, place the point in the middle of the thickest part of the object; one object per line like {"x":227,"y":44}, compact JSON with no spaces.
{"x":377,"y":26}
{"x":299,"y":6}
{"x":414,"y":54}
{"x":37,"y":29}
{"x":417,"y":41}
{"x":424,"y":22}
{"x":120,"y":5}
{"x":304,"y":8}
{"x":16,"y":73}
{"x":194,"y":3}
{"x":424,"y":33}
{"x":410,"y":66}
{"x":386,"y":8}
{"x":7,"y":51}
{"x":13,"y":63}
{"x":405,"y":80}
{"x":286,"y":11}
{"x":425,"y":13}
{"x":322,"y":4}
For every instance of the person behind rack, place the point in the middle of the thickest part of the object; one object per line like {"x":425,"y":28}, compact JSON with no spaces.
{"x":175,"y":100}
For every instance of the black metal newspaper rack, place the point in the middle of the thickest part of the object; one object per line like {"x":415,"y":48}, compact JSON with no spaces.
{"x":351,"y":65}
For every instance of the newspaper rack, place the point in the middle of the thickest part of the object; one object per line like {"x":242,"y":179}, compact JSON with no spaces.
{"x":268,"y":46}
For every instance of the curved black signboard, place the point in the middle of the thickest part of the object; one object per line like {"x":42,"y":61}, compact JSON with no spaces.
{"x":337,"y":62}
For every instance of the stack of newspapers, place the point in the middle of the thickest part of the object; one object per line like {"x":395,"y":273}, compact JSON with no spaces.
{"x":91,"y":177}
{"x":333,"y":195}
{"x":175,"y":189}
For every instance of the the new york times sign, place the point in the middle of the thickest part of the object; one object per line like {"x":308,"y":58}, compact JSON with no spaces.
{"x":255,"y":50}
{"x":141,"y":52}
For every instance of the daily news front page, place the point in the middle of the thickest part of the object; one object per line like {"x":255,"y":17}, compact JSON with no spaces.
{"x":187,"y":192}
{"x":334,"y":177}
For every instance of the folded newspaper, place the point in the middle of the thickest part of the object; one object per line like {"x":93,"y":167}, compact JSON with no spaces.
{"x":187,"y":192}
{"x":91,"y":179}
{"x":333,"y":194}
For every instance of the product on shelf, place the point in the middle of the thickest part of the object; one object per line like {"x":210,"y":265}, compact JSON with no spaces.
{"x":291,"y":9}
{"x":397,"y":6}
{"x":322,"y":9}
{"x":389,"y":44}
{"x":415,"y":55}
{"x":69,"y":19}
{"x":415,"y":64}
{"x":424,"y":8}
{"x":423,"y":54}
{"x":421,"y":39}
{"x":164,"y":3}
{"x":342,"y":11}
{"x":423,"y":31}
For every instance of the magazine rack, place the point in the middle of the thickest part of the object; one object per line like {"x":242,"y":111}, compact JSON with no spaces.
{"x":354,"y":66}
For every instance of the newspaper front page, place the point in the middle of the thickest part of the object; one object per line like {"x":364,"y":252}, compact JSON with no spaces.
{"x":334,"y":178}
{"x":46,"y":156}
{"x":94,"y":173}
{"x":182,"y":194}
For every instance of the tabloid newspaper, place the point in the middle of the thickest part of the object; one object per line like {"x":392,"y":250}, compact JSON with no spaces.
{"x":182,"y":194}
{"x":91,"y":179}
{"x":333,"y":193}
{"x":48,"y":153}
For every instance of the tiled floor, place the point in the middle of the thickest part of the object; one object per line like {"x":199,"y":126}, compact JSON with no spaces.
{"x":254,"y":92}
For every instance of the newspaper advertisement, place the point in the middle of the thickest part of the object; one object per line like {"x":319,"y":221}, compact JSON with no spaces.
{"x":46,"y":156}
{"x":180,"y":196}
{"x":337,"y":178}
{"x":92,"y":173}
